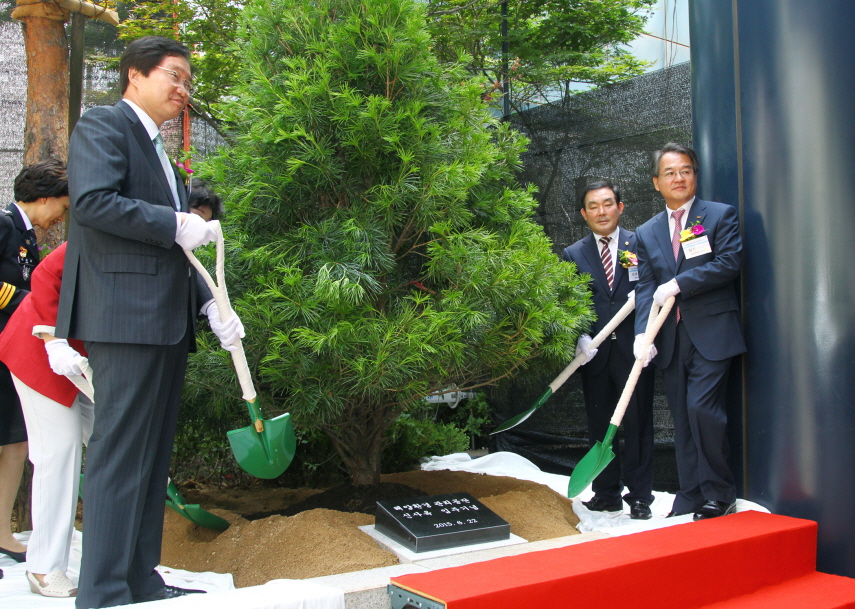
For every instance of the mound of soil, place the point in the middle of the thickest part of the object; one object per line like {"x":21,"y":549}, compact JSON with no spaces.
{"x":319,"y":540}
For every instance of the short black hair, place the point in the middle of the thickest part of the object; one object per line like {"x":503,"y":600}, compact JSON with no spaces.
{"x":673,"y":147}
{"x":596,"y":186}
{"x":48,"y":178}
{"x":145,"y":54}
{"x":202,"y":194}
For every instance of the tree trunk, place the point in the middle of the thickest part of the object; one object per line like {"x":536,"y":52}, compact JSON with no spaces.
{"x":45,"y":134}
{"x":46,"y":128}
{"x":359,"y":440}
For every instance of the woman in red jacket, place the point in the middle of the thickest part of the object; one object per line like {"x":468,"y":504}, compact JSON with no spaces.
{"x":58,"y":418}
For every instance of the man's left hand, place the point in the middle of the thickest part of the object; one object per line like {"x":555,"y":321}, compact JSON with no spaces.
{"x":666,"y":291}
{"x":229,"y":331}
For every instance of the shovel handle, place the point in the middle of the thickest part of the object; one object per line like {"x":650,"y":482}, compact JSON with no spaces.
{"x":607,"y":330}
{"x":221,"y":297}
{"x":84,"y":382}
{"x":654,"y":323}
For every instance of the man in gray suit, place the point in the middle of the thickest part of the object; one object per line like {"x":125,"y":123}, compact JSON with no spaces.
{"x":129,"y":292}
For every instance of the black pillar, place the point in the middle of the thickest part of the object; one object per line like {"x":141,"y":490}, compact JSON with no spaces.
{"x":772,"y":91}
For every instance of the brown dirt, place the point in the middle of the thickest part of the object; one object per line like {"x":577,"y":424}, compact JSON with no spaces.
{"x":321,"y":542}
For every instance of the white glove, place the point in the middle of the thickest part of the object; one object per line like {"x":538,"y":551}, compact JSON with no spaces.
{"x":193,"y":231}
{"x":646,"y":355}
{"x":631,"y":295}
{"x":583,"y":345}
{"x":665,"y":291}
{"x":228,"y":332}
{"x":61,"y":357}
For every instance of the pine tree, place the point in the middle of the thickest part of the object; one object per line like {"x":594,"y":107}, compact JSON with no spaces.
{"x":381,"y":247}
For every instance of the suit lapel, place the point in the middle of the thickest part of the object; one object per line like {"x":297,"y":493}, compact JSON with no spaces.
{"x":592,"y":255}
{"x":660,"y":229}
{"x":624,"y":241}
{"x":150,"y":153}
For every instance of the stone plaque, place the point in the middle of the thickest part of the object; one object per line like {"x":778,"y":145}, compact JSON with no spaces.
{"x":439,"y":522}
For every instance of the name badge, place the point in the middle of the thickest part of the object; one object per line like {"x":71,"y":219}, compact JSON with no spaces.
{"x":633,"y":273}
{"x":697,"y":247}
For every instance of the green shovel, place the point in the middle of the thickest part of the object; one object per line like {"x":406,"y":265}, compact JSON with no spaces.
{"x":265,"y":448}
{"x":193,"y":512}
{"x":607,"y":330}
{"x":601,"y":454}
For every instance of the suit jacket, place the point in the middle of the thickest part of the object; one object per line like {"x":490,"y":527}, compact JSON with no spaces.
{"x":125,"y":278}
{"x":586,"y":254}
{"x":23,"y":353}
{"x":19,"y":255}
{"x":707,"y":299}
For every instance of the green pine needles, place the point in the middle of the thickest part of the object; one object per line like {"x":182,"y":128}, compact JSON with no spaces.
{"x":379,"y":241}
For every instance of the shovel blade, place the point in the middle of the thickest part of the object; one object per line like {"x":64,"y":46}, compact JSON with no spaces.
{"x":197,"y":515}
{"x":514,"y":421}
{"x":192,"y":512}
{"x":590,"y":467}
{"x":266,"y":454}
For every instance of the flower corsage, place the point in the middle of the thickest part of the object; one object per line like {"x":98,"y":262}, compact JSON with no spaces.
{"x":692,"y":231}
{"x":627,"y":258}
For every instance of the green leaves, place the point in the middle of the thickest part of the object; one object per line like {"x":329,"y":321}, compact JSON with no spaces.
{"x":386,"y":248}
{"x":551,"y":43}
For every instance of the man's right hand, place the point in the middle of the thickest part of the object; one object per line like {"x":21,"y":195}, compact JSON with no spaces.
{"x":583,"y":345}
{"x":642,"y":352}
{"x":193,"y":231}
{"x":62,"y":357}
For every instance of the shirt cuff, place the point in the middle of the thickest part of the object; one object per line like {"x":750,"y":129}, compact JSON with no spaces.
{"x":44,"y":330}
{"x":204,"y":309}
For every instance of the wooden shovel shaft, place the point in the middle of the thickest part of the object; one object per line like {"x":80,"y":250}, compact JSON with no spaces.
{"x":221,"y":297}
{"x":654,"y":323}
{"x":602,"y":335}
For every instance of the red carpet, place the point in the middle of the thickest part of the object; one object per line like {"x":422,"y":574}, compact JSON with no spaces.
{"x":736,"y":559}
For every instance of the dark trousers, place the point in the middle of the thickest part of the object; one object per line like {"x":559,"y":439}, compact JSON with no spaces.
{"x":602,"y":392}
{"x":137,"y":393}
{"x":696,"y":390}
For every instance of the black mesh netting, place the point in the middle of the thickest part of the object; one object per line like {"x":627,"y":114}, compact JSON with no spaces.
{"x":608,"y":133}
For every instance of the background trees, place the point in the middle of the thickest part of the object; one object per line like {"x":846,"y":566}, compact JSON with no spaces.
{"x":552,"y":43}
{"x":381,"y":247}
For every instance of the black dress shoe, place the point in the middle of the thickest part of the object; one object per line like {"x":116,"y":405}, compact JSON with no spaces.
{"x":640,"y":510}
{"x":598,"y":504}
{"x":673,"y":513}
{"x":16,"y":556}
{"x":714,"y":509}
{"x":164,"y":593}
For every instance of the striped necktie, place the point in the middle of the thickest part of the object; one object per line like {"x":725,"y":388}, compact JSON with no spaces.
{"x":608,"y":266}
{"x":167,"y":168}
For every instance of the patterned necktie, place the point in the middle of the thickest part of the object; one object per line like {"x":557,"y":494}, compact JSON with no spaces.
{"x":167,"y":167}
{"x":675,"y":238}
{"x":675,"y":243}
{"x":606,"y":256}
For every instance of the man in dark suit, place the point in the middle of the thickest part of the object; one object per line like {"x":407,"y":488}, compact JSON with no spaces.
{"x":692,"y":251}
{"x":605,"y":373}
{"x":129,"y":292}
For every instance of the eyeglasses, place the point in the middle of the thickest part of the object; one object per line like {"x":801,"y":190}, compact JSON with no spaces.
{"x":684,"y":173}
{"x":176,"y":79}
